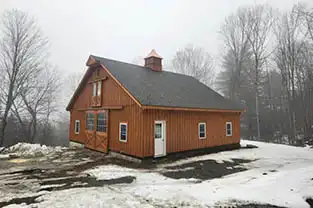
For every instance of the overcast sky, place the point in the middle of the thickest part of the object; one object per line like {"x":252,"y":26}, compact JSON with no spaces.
{"x":127,"y":29}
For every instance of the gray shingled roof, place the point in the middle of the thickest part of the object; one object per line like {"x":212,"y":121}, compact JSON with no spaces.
{"x":165,"y":88}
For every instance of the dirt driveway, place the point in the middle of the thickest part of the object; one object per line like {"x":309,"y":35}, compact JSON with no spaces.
{"x":23,"y":180}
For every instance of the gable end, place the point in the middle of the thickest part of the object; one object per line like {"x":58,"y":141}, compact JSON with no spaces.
{"x":93,"y":64}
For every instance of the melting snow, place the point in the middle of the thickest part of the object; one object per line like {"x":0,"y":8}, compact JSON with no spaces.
{"x":280,"y":175}
{"x":287,"y":181}
{"x":4,"y":156}
{"x":26,"y":149}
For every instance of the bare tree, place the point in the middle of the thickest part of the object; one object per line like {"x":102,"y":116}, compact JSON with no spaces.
{"x":37,"y":101}
{"x":288,"y":56}
{"x":194,"y":62}
{"x":260,"y":22}
{"x":306,"y":14}
{"x":235,"y":37}
{"x":73,"y":80}
{"x":246,"y":35}
{"x":22,"y":52}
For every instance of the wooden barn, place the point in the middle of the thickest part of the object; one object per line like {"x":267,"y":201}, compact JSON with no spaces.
{"x":144,"y":111}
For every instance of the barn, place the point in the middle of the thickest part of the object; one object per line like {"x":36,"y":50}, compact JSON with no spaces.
{"x":144,"y":111}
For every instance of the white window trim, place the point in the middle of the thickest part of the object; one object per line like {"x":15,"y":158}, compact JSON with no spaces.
{"x":231,"y":128}
{"x":99,"y":88}
{"x":77,"y":121}
{"x":120,"y":132}
{"x":202,"y":123}
{"x":94,"y":89}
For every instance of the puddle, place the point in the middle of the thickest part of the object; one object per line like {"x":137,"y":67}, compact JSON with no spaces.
{"x":24,"y":172}
{"x":247,"y":204}
{"x":204,"y":170}
{"x":249,"y":146}
{"x":258,"y":206}
{"x":26,"y":200}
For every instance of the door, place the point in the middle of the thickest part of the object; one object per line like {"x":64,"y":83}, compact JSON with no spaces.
{"x":97,"y":131}
{"x":102,"y":132}
{"x":159,"y":138}
{"x":90,"y":130}
{"x":90,"y":139}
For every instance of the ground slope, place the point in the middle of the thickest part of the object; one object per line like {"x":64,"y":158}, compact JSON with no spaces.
{"x":270,"y":174}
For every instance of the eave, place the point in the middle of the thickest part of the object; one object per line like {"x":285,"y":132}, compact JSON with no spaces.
{"x":149,"y":107}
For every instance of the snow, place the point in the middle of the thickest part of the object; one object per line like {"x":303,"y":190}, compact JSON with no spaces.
{"x":279,"y":175}
{"x":288,"y":186}
{"x":31,"y":150}
{"x":111,"y":172}
{"x":89,"y":197}
{"x":52,"y":186}
{"x":4,"y":156}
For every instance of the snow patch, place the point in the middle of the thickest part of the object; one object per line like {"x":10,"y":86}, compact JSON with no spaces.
{"x":90,"y":197}
{"x":26,"y":149}
{"x":108,"y":172}
{"x":4,"y":156}
{"x":52,"y":186}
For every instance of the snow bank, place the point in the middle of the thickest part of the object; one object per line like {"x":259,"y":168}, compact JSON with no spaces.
{"x":26,"y":149}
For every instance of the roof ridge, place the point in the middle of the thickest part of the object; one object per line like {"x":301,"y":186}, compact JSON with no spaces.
{"x":118,"y":61}
{"x":123,"y":62}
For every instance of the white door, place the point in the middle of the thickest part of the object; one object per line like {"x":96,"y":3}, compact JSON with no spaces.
{"x":159,"y":139}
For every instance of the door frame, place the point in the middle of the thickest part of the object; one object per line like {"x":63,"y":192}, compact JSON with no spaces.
{"x":163,"y":123}
{"x":96,"y":133}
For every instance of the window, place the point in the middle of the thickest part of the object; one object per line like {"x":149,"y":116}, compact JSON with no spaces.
{"x":158,"y":131}
{"x":77,"y":126}
{"x":102,"y":122}
{"x":229,"y":129}
{"x":99,"y":88}
{"x":94,"y":89}
{"x":90,"y":121}
{"x":202,"y":130}
{"x":123,"y":132}
{"x":97,"y":72}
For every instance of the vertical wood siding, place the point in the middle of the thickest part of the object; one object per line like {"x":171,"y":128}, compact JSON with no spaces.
{"x":181,"y":126}
{"x":182,"y":129}
{"x":112,"y":95}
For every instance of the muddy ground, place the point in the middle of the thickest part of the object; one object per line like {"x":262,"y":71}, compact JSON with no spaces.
{"x":65,"y":171}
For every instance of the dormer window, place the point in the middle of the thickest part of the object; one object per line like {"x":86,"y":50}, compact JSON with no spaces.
{"x":99,"y":88}
{"x":94,"y":89}
{"x":97,"y":72}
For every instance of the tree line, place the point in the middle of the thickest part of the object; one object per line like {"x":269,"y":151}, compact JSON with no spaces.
{"x":266,"y":65}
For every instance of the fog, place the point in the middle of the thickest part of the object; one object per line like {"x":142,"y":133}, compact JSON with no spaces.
{"x":124,"y":30}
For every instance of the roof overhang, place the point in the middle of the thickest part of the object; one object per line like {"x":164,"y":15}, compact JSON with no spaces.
{"x":147,"y":107}
{"x":91,"y":61}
